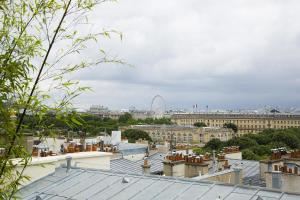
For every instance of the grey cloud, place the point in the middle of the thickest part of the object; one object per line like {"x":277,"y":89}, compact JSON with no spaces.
{"x":224,"y":53}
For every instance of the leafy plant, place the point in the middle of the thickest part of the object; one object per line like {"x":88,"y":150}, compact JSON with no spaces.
{"x":232,"y":126}
{"x":39,"y":41}
{"x":133,"y":134}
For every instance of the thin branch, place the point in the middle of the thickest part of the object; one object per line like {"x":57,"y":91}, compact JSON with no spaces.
{"x":6,"y":157}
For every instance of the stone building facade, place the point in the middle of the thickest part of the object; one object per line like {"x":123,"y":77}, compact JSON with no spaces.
{"x":246,"y":123}
{"x":184,"y":134}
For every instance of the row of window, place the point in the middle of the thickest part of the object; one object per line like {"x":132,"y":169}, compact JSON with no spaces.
{"x":179,"y":139}
{"x":241,"y":121}
{"x":169,"y":134}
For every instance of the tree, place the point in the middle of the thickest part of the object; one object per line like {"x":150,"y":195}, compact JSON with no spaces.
{"x":288,"y":138}
{"x":242,"y":142}
{"x":39,"y":42}
{"x":249,"y":155}
{"x":214,"y":144}
{"x":125,"y":118}
{"x":199,"y":151}
{"x":134,"y":134}
{"x":200,"y":124}
{"x":232,"y":126}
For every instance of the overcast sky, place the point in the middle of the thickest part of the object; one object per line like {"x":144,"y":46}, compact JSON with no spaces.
{"x":225,"y":54}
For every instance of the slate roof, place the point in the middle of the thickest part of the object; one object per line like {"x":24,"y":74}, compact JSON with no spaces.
{"x":81,"y":184}
{"x":130,"y":148}
{"x":250,"y":167}
{"x":250,"y":171}
{"x":128,"y":166}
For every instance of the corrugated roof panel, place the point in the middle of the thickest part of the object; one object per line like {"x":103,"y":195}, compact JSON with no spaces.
{"x":257,"y":197}
{"x":85,"y":184}
{"x":245,"y":190}
{"x":216,"y":191}
{"x":154,"y":190}
{"x":290,"y":197}
{"x":265,"y":193}
{"x":36,"y":186}
{"x":172,"y":191}
{"x":238,"y":196}
{"x":89,"y":184}
{"x":61,"y":187}
{"x":97,"y":188}
{"x":33,"y":196}
{"x":134,"y":189}
{"x":56,"y":198}
{"x":194,"y":189}
{"x":114,"y":189}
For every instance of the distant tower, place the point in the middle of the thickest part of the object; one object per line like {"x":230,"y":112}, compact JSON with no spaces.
{"x":158,"y":106}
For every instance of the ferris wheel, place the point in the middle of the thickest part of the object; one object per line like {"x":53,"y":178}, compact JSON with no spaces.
{"x":158,"y":106}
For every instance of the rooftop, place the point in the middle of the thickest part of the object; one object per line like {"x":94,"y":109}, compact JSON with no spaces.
{"x":250,"y":167}
{"x":92,"y":184}
{"x":250,"y":171}
{"x":131,"y":148}
{"x":128,"y":166}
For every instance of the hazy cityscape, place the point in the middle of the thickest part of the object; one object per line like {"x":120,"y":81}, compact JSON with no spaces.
{"x":144,"y":100}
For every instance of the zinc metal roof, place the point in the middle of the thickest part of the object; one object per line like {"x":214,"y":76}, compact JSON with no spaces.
{"x":251,"y":174}
{"x":130,"y":148}
{"x":250,"y":167}
{"x":128,"y":166}
{"x":81,"y":184}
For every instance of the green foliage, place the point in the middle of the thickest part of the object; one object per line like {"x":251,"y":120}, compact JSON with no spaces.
{"x":261,"y":150}
{"x":232,"y":126}
{"x":126,"y":118}
{"x":92,"y":125}
{"x":199,"y":151}
{"x":133,"y":134}
{"x":200,"y":124}
{"x":262,"y":138}
{"x":242,"y":142}
{"x":287,"y":138}
{"x":214,"y":144}
{"x":258,"y":146}
{"x":249,"y":155}
{"x":38,"y":43}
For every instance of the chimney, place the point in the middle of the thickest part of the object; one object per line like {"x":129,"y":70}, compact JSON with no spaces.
{"x":276,"y":180}
{"x":237,"y":175}
{"x":296,"y":170}
{"x":146,"y":166}
{"x":226,"y":165}
{"x":285,"y":170}
{"x":270,"y":167}
{"x":101,"y":144}
{"x":69,"y":159}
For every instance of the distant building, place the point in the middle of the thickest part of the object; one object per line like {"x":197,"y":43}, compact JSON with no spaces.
{"x":184,"y":134}
{"x":246,"y":123}
{"x":104,"y":112}
{"x":98,"y":109}
{"x":140,"y":114}
{"x":208,"y":133}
